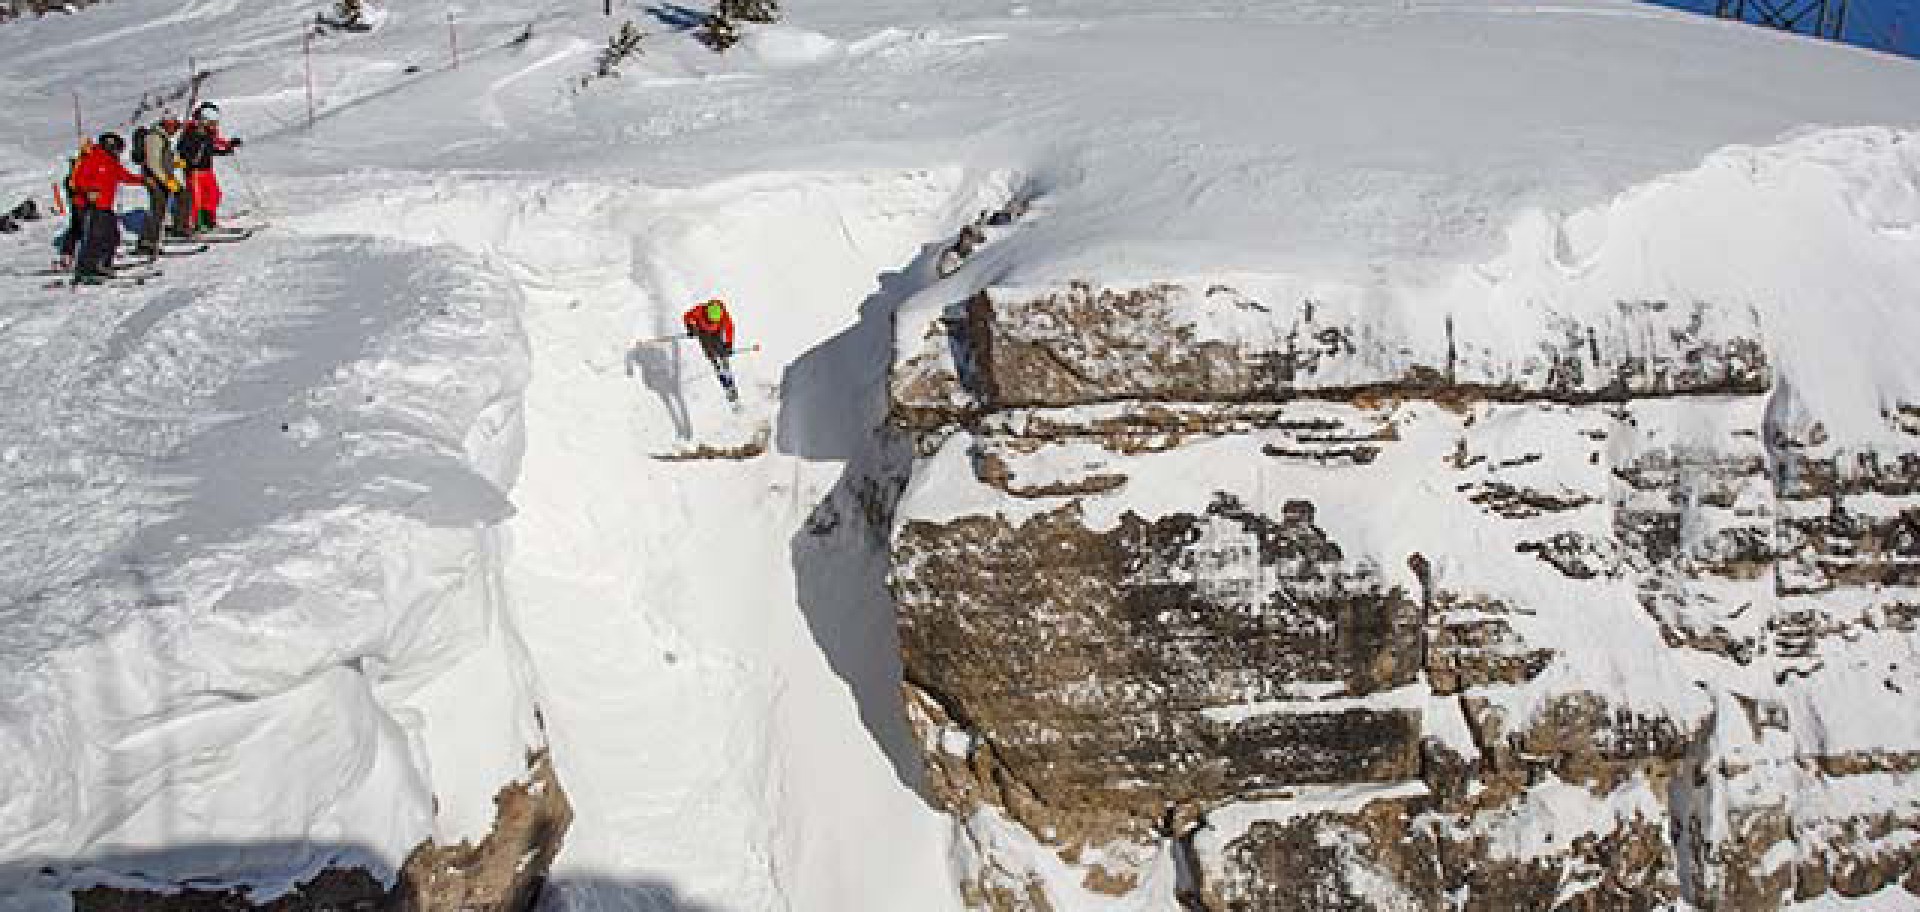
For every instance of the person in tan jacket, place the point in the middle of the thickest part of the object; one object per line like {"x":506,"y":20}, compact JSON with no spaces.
{"x":153,"y":152}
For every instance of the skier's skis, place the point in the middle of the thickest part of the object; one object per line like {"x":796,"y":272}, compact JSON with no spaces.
{"x":116,"y":281}
{"x":170,"y":250}
{"x":141,"y":271}
{"x":222,"y":236}
{"x":729,"y":382}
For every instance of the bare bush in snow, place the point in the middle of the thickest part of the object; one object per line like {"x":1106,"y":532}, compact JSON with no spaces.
{"x":621,"y":47}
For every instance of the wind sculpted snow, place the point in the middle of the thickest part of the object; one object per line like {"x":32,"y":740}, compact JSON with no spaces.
{"x":243,"y":511}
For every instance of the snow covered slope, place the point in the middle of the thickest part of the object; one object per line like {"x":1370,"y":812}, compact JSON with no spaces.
{"x":249,"y":578}
{"x":391,"y":492}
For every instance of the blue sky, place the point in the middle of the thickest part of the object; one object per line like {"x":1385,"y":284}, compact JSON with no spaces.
{"x":1888,"y":25}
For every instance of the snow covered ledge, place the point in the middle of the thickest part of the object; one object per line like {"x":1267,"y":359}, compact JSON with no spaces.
{"x":271,"y":655}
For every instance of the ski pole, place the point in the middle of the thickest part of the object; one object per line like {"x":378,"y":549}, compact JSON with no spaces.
{"x":656,"y":340}
{"x":659,"y":339}
{"x":306,"y":46}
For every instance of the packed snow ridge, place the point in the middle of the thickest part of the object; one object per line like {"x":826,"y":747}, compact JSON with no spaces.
{"x":403,"y":541}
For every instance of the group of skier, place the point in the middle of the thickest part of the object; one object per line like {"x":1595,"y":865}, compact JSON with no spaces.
{"x":174,"y":162}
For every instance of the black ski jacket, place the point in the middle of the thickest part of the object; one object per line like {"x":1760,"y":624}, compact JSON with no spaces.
{"x":198,"y":146}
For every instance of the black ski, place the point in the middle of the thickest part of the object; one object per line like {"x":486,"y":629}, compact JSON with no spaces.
{"x":171,"y":250}
{"x":118,"y":281}
{"x":223,"y":236}
{"x":140,"y":271}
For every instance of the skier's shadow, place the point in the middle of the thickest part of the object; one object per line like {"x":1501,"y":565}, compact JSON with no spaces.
{"x":659,"y":368}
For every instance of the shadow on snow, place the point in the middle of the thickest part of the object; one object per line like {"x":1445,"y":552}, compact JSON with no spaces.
{"x":223,"y":876}
{"x":833,"y":408}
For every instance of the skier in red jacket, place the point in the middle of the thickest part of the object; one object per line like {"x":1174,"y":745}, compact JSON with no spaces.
{"x":96,"y":182}
{"x":713,"y":326}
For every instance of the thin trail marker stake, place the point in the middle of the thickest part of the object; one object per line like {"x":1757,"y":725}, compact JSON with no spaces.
{"x":79,"y":132}
{"x":307,"y":49}
{"x":453,"y":39}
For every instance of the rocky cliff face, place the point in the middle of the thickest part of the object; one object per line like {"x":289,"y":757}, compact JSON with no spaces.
{"x":1250,"y":603}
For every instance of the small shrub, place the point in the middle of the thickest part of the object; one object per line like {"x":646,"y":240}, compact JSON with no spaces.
{"x":717,"y":32}
{"x":621,"y":47}
{"x":762,"y":11}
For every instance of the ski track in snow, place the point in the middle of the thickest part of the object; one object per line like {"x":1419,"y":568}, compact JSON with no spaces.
{"x":291,"y":494}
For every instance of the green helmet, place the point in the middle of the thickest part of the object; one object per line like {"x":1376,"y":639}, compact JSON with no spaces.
{"x":716,"y":310}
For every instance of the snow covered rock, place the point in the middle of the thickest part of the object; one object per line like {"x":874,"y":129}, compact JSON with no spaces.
{"x":1571,"y":599}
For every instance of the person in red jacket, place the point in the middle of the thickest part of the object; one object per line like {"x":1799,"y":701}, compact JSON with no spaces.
{"x":96,"y":182}
{"x":710,"y":323}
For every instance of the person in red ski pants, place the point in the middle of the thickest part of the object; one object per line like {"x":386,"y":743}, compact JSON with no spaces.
{"x":199,"y":143}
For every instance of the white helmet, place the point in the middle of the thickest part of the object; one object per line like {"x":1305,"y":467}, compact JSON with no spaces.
{"x":208,"y":112}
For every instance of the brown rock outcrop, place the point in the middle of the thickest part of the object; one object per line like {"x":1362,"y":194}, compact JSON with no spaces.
{"x":1542,"y":710}
{"x":503,"y":873}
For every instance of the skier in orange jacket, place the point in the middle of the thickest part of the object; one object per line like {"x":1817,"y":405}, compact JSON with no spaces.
{"x":710,"y":323}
